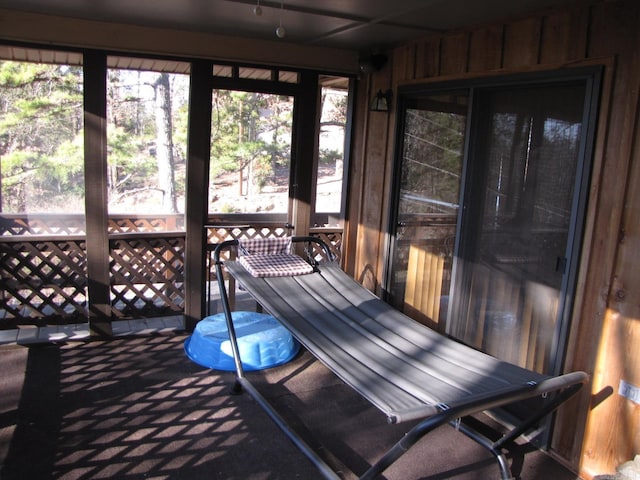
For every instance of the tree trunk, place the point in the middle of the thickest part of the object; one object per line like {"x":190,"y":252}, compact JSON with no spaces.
{"x":164,"y":144}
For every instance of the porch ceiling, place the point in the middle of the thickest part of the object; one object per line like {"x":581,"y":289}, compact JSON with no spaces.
{"x":363,"y":25}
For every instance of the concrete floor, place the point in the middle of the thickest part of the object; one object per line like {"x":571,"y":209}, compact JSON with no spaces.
{"x":138,"y":408}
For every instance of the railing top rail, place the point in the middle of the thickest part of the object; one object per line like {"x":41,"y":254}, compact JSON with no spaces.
{"x":79,"y":238}
{"x":14,"y":216}
{"x":155,"y":234}
{"x":40,"y":237}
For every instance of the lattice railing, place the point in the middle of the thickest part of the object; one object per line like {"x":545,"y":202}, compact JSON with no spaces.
{"x":43,"y":277}
{"x":332,"y":237}
{"x":218,"y":233}
{"x":147,"y":275}
{"x":145,"y":223}
{"x":43,"y":280}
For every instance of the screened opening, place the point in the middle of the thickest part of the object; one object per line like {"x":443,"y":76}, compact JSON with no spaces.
{"x":331,"y":146}
{"x":129,"y":263}
{"x":41,"y":120}
{"x":250,"y":152}
{"x":147,"y":115}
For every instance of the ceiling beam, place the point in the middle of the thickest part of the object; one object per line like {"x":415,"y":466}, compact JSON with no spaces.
{"x":113,"y":37}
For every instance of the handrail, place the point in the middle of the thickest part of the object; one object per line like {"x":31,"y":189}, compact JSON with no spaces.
{"x":78,"y":238}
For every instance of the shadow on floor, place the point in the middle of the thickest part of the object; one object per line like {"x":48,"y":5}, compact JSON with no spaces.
{"x":134,"y":408}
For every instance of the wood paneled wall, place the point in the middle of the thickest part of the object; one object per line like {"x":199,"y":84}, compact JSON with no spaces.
{"x":600,"y":429}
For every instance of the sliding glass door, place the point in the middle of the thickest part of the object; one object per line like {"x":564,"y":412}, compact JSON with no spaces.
{"x":503,"y":276}
{"x":428,"y":188}
{"x":517,"y":230}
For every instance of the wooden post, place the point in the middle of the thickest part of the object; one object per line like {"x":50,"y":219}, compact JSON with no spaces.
{"x":199,"y":146}
{"x":96,"y":195}
{"x":304,"y":159}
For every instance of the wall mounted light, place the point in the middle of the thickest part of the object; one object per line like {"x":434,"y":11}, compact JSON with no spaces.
{"x":381,"y":101}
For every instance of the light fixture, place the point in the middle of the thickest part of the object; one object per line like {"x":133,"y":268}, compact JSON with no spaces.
{"x":381,"y":101}
{"x":257,"y":10}
{"x":280,"y":31}
{"x":372,"y":63}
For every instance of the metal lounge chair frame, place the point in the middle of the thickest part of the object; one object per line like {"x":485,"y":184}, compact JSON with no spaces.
{"x":405,"y":369}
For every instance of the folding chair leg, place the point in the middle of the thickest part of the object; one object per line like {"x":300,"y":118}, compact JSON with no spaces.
{"x":404,"y":444}
{"x":553,"y":405}
{"x":505,"y":471}
{"x":503,"y":465}
{"x":422,"y":429}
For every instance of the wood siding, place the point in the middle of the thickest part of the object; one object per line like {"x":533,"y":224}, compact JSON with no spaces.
{"x":601,"y":429}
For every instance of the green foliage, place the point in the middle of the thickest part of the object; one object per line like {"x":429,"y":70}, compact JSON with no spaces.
{"x":180,"y":132}
{"x":41,"y":135}
{"x":41,"y":124}
{"x":262,"y":171}
{"x":226,"y":208}
{"x":48,"y":181}
{"x":66,"y":167}
{"x":15,"y":168}
{"x":245,"y":130}
{"x":131,"y":164}
{"x":327,"y":156}
{"x":41,"y":105}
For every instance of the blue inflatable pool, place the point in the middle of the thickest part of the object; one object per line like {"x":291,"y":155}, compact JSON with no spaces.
{"x":263,"y":342}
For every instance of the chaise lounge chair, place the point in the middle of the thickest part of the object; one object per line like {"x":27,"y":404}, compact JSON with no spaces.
{"x":406,"y":370}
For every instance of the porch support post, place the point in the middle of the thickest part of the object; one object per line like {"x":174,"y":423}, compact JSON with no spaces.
{"x":199,"y":148}
{"x":96,"y":195}
{"x":306,"y":119}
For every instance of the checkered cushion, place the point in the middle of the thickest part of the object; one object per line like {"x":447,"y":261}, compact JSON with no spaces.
{"x":265,"y":246}
{"x":275,"y":265}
